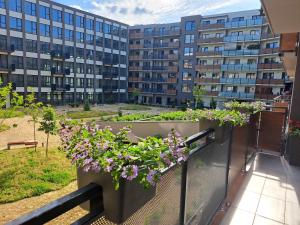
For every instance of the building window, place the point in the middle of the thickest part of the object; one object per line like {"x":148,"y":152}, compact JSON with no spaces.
{"x":206,"y":22}
{"x":15,"y":24}
{"x":237,"y":19}
{"x":69,"y":50}
{"x":98,"y":26}
{"x":115,"y":30}
{"x":17,"y":79}
{"x":188,"y":51}
{"x":17,"y":43}
{"x":56,"y":15}
{"x":30,"y":27}
{"x":80,"y":82}
{"x":107,"y":28}
{"x":69,"y":35}
{"x":90,"y":39}
{"x":79,"y":37}
{"x":31,"y":64}
{"x":69,"y":18}
{"x":44,"y":12}
{"x":17,"y":61}
{"x":44,"y":30}
{"x":186,"y":88}
{"x":30,"y":8}
{"x":31,"y":45}
{"x":15,"y":5}
{"x":32,"y":80}
{"x":45,"y":48}
{"x":189,"y":39}
{"x":2,"y":21}
{"x":220,"y":21}
{"x":89,"y":54}
{"x":187,"y":64}
{"x":79,"y":53}
{"x":272,"y":45}
{"x":107,"y":43}
{"x":90,"y":24}
{"x":2,"y":4}
{"x":57,"y":32}
{"x":79,"y":21}
{"x":99,"y":41}
{"x":46,"y":81}
{"x":186,"y":76}
{"x":190,"y":25}
{"x":123,"y":33}
{"x":115,"y":44}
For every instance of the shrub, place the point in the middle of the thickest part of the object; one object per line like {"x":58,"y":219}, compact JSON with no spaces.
{"x":86,"y":106}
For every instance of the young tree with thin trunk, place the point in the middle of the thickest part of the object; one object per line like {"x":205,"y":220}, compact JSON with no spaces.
{"x":48,"y":123}
{"x":198,"y":92}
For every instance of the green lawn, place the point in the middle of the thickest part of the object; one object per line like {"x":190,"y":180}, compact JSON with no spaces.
{"x":4,"y":127}
{"x":88,"y":114}
{"x":26,"y":173}
{"x":135,"y":107}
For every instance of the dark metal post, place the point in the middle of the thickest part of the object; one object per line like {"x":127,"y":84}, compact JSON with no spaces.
{"x":183,"y":192}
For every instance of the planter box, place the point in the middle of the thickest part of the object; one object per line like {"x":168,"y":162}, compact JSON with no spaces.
{"x":222,"y":133}
{"x":144,"y":129}
{"x":293,"y":150}
{"x":121,"y":204}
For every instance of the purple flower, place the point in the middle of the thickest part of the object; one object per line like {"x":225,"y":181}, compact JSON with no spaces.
{"x":130,"y":172}
{"x":151,"y":177}
{"x":110,"y":165}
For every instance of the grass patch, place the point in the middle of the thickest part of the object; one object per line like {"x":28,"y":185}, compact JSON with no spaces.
{"x":88,"y":114}
{"x":7,"y":113}
{"x":25,"y":173}
{"x":4,"y":127}
{"x":135,"y":107}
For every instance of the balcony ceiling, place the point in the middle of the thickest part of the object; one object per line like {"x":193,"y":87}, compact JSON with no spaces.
{"x":290,"y":62}
{"x":283,"y":15}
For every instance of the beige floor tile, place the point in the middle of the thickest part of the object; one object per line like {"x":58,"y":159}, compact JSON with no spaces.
{"x":292,"y":214}
{"x":247,"y":201}
{"x":236,"y":216}
{"x":254,"y":184}
{"x":275,"y":189}
{"x":264,"y":221}
{"x":271,"y":208}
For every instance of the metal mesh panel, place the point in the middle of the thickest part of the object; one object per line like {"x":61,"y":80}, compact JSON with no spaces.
{"x":206,"y":182}
{"x":163,"y":209}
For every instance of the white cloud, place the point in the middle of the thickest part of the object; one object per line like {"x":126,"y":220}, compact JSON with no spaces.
{"x":159,"y":11}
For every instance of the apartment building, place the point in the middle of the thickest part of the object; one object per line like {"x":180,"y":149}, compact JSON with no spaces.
{"x":154,"y":63}
{"x":231,"y":56}
{"x":63,"y":54}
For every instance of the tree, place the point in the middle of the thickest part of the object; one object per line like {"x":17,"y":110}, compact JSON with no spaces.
{"x":213,"y":104}
{"x":135,"y":94}
{"x":10,"y":101}
{"x":34,"y":110}
{"x":48,"y":123}
{"x":198,"y":92}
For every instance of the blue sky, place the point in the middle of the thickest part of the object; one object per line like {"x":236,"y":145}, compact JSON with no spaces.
{"x":158,"y":11}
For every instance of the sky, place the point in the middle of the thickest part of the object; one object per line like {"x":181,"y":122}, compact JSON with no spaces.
{"x":158,"y":11}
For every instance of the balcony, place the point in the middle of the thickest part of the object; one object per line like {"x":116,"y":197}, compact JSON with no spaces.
{"x":237,"y":95}
{"x":136,"y":35}
{"x":270,"y":82}
{"x":130,"y":89}
{"x":135,"y":46}
{"x":171,"y":92}
{"x":212,"y":26}
{"x":134,"y":79}
{"x":212,"y":93}
{"x":207,"y":67}
{"x":238,"y":81}
{"x":164,"y":33}
{"x":209,"y":53}
{"x":59,"y":55}
{"x":239,"y":67}
{"x":161,"y":57}
{"x":203,"y":80}
{"x":154,"y":79}
{"x":263,"y":96}
{"x":5,"y":69}
{"x":268,"y":36}
{"x":266,"y":51}
{"x":60,"y":88}
{"x":4,"y":50}
{"x":245,"y":23}
{"x":246,"y":52}
{"x":210,"y":40}
{"x":166,"y":45}
{"x":135,"y":57}
{"x":172,"y":80}
{"x":135,"y":68}
{"x":242,"y":38}
{"x":270,"y":66}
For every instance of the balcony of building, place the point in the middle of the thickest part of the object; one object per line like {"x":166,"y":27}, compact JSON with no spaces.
{"x":135,"y":68}
{"x":135,"y":35}
{"x":166,"y":45}
{"x":207,"y":67}
{"x":5,"y":50}
{"x":134,"y":79}
{"x":242,"y":38}
{"x":237,"y":95}
{"x":208,"y":53}
{"x":270,"y":81}
{"x":162,"y":33}
{"x":135,"y":46}
{"x":266,"y":51}
{"x":245,"y":23}
{"x":238,"y":81}
{"x":209,"y":40}
{"x":212,"y":26}
{"x":270,"y":66}
{"x":239,"y":67}
{"x":205,"y":80}
{"x":244,"y":52}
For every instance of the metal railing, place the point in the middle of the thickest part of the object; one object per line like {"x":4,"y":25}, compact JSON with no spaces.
{"x":188,"y":193}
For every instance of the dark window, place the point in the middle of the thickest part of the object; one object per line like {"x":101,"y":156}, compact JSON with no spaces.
{"x":69,"y":18}
{"x":89,"y":24}
{"x":89,"y":69}
{"x":31,"y":46}
{"x":31,"y":63}
{"x":15,"y":5}
{"x":123,"y":46}
{"x":18,"y":61}
{"x":3,"y":42}
{"x":107,"y":43}
{"x":56,"y":15}
{"x":123,"y":33}
{"x":90,"y":39}
{"x":46,"y":81}
{"x":69,"y":50}
{"x":44,"y":12}
{"x":79,"y":21}
{"x":79,"y":37}
{"x":32,"y":81}
{"x":30,"y":27}
{"x":45,"y":48}
{"x":44,"y":30}
{"x":115,"y":30}
{"x":190,"y":25}
{"x":99,"y":41}
{"x":79,"y":53}
{"x":89,"y":54}
{"x":80,"y":82}
{"x":68,"y":35}
{"x":2,"y":4}
{"x":45,"y":64}
{"x":30,"y":8}
{"x":17,"y":79}
{"x":17,"y":42}
{"x":79,"y":68}
{"x":98,"y":26}
{"x":115,"y":45}
{"x":15,"y":23}
{"x":98,"y":56}
{"x":107,"y":28}
{"x":2,"y":21}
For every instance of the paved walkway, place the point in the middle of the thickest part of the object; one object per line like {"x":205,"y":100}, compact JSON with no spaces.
{"x":270,"y":195}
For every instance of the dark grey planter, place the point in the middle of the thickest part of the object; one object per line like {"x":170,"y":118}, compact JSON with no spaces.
{"x":121,"y":204}
{"x":293,"y":150}
{"x":222,"y":133}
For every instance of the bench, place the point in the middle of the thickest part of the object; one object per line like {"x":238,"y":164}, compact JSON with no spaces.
{"x":27,"y":144}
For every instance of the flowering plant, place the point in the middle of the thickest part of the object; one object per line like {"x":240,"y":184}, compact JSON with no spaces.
{"x":100,"y":150}
{"x":294,"y":128}
{"x":251,"y":108}
{"x":223,"y":117}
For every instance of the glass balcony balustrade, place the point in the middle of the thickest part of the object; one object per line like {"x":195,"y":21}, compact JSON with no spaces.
{"x":245,"y":23}
{"x":242,"y":38}
{"x":239,"y":95}
{"x":239,"y":67}
{"x":245,"y":52}
{"x":237,"y":81}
